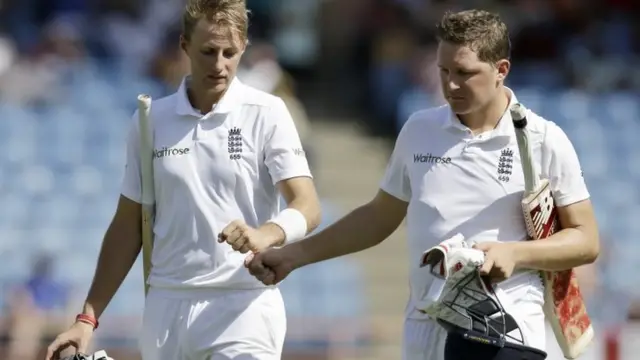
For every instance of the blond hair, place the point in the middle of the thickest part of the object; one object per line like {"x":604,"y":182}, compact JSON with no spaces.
{"x":482,"y":31}
{"x":225,"y":13}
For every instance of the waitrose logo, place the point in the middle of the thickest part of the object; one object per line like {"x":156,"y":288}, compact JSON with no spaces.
{"x":428,"y":158}
{"x":165,"y":151}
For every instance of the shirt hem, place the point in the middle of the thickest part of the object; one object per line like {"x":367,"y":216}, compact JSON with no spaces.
{"x":290,"y":175}
{"x":571,"y":199}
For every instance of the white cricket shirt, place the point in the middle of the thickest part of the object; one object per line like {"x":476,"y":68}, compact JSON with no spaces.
{"x":458,"y":182}
{"x":208,"y":171}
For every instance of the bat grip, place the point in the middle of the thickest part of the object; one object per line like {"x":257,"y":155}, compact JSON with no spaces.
{"x":531,"y":181}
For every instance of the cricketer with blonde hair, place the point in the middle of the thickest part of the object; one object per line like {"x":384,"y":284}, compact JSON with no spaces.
{"x":224,"y":153}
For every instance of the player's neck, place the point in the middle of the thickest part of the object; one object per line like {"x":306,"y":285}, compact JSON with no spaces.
{"x":203,"y":100}
{"x":488,"y":117}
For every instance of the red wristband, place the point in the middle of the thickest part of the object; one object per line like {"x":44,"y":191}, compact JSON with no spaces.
{"x":88,"y":319}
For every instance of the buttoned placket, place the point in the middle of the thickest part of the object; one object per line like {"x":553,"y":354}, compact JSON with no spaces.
{"x":470,"y":140}
{"x":203,"y":127}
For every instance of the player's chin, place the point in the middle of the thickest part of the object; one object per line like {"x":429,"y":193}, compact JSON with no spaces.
{"x":460,"y":106}
{"x":216,"y":87}
{"x":214,"y":83}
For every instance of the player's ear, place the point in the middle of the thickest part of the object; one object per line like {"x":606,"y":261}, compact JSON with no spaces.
{"x":502,"y":67}
{"x":183,"y":43}
{"x":245,"y":45}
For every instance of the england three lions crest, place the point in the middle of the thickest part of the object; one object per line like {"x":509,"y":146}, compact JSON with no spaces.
{"x":234,"y":143}
{"x":505,"y":165}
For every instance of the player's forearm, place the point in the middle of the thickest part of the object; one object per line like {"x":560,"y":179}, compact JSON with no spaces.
{"x":564,"y":250}
{"x":308,"y":207}
{"x":119,"y":251}
{"x":361,"y":229}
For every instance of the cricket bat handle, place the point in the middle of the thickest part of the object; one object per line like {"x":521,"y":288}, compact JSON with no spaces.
{"x":147,"y":184}
{"x":519,"y":117}
{"x":147,"y":247}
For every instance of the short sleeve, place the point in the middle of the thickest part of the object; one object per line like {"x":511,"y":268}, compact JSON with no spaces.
{"x":396,"y":179}
{"x":284,"y":156}
{"x":563,"y":167}
{"x":131,"y":187}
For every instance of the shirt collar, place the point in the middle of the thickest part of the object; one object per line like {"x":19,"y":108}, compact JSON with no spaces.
{"x":504,"y":128}
{"x":229,"y":101}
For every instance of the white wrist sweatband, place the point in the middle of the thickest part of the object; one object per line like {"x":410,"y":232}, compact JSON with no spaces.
{"x":293,"y":224}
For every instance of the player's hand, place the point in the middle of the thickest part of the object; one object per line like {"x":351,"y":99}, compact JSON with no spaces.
{"x":271,"y":266}
{"x":499,"y":260}
{"x":78,"y":337}
{"x":244,"y":238}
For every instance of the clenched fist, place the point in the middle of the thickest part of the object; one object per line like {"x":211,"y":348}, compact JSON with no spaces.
{"x":271,"y":266}
{"x":244,"y":238}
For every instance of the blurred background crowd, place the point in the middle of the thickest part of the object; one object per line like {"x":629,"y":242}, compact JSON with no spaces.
{"x":350,"y":72}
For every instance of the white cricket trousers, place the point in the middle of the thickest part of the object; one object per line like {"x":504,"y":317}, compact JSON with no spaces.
{"x":213,"y":324}
{"x":423,"y":340}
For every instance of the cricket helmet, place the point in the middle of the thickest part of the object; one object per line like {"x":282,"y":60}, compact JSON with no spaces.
{"x":466,"y":301}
